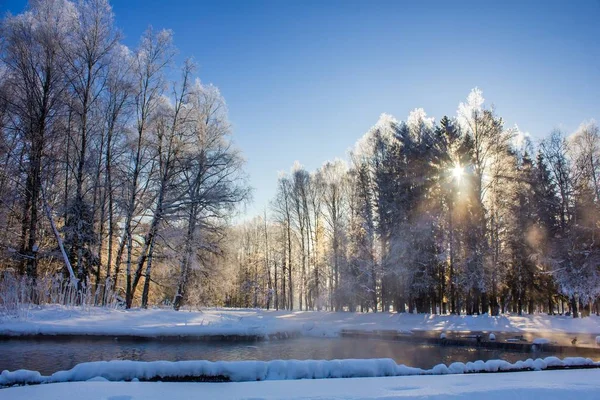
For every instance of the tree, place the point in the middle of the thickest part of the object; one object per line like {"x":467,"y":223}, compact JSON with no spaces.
{"x":114,"y":110}
{"x":168,"y":142}
{"x":300,"y":186}
{"x":212,"y":180}
{"x":32,"y":59}
{"x":490,"y":143}
{"x":333,"y":176}
{"x":89,"y":133}
{"x":151,"y":59}
{"x":282,"y":207}
{"x":574,"y":258}
{"x":85,"y":54}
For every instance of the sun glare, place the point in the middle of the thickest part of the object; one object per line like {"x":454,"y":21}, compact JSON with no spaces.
{"x":458,"y":172}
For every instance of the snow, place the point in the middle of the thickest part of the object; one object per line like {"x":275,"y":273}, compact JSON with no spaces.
{"x":237,"y":371}
{"x":364,"y":378}
{"x":57,"y":320}
{"x":243,"y":371}
{"x":547,"y":385}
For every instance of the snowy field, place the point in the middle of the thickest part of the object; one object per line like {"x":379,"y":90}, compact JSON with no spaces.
{"x":54,"y":320}
{"x":547,"y":385}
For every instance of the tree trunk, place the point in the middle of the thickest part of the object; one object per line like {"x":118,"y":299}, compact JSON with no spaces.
{"x":574,"y":308}
{"x":128,"y":294}
{"x":185,"y":263}
{"x":290,"y":287}
{"x":147,"y":277}
{"x":34,"y":188}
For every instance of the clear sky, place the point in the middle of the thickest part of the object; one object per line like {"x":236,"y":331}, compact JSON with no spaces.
{"x":304,"y":80}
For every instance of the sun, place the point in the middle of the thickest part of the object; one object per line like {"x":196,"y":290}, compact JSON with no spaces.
{"x":457,"y":172}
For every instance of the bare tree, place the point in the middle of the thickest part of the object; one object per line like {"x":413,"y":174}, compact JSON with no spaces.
{"x":152,"y":57}
{"x":86,"y":54}
{"x":32,"y":58}
{"x":282,"y":207}
{"x":211,"y":180}
{"x":334,"y":180}
{"x":115,"y":110}
{"x":169,"y":142}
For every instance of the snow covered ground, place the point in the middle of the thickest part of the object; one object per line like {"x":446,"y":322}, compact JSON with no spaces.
{"x":547,"y":385}
{"x":53,"y":320}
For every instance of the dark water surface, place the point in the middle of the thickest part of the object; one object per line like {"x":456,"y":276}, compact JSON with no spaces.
{"x":49,"y":355}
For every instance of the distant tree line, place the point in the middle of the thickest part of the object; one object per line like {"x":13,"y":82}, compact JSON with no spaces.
{"x":112,"y":174}
{"x":459,"y":216}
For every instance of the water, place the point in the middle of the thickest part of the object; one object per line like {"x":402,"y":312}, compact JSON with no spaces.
{"x":49,"y":355}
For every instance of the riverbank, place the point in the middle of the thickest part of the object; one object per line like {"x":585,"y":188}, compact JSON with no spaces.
{"x":252,"y":371}
{"x":156,"y":323}
{"x":547,"y":385}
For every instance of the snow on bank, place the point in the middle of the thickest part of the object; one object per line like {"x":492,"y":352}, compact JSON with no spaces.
{"x":243,"y":371}
{"x":56,"y":320}
{"x":547,"y":385}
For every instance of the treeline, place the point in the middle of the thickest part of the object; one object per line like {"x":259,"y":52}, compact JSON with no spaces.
{"x":112,"y":174}
{"x":459,"y":216}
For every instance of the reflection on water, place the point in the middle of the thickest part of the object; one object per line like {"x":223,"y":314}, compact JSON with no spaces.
{"x":48,"y":355}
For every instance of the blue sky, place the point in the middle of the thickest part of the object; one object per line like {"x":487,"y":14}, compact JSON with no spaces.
{"x":304,"y":80}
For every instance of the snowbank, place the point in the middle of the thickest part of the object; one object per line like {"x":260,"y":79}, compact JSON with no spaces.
{"x":56,"y":320}
{"x":243,"y":371}
{"x":547,"y":385}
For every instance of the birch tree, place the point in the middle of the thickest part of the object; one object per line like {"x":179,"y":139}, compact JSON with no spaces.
{"x":33,"y":60}
{"x":212,"y":181}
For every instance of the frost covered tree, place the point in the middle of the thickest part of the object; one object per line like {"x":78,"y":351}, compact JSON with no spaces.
{"x":212,"y":182}
{"x":85,"y":54}
{"x":91,"y":136}
{"x":448,"y":217}
{"x":334,"y":180}
{"x":32,"y":60}
{"x":169,"y":138}
{"x":282,"y":209}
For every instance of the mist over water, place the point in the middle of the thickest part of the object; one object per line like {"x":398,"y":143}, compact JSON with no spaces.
{"x":50,"y":355}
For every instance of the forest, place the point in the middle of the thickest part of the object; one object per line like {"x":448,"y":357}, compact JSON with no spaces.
{"x":464,"y":215}
{"x":121,"y":182}
{"x":116,"y":177}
